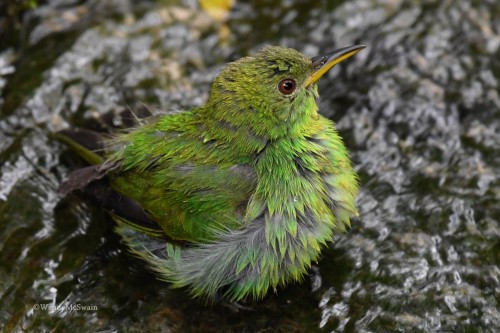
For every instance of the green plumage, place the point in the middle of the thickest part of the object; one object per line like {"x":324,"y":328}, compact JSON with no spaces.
{"x":240,"y":193}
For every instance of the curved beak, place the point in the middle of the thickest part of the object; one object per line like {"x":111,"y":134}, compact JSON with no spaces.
{"x":324,"y":63}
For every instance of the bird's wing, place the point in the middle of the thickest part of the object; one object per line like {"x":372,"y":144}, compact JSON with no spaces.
{"x":191,"y":189}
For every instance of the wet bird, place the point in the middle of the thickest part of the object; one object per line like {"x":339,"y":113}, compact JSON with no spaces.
{"x":236,"y":197}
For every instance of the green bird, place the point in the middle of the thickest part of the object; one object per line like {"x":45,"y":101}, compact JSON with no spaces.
{"x":235,"y":197}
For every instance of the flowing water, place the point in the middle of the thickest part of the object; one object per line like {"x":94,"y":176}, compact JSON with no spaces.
{"x":419,"y":110}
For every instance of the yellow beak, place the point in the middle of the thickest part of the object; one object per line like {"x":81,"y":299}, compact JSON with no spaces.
{"x":324,"y":63}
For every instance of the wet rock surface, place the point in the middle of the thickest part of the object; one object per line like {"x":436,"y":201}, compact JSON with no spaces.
{"x":419,"y":110}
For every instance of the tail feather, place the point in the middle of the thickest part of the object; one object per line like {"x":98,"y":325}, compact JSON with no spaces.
{"x":80,"y":178}
{"x":90,"y":146}
{"x":87,"y":144}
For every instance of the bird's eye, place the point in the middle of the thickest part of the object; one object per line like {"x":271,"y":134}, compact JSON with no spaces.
{"x":286,"y":86}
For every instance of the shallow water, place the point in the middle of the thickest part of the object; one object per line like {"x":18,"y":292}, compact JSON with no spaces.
{"x":419,"y":110}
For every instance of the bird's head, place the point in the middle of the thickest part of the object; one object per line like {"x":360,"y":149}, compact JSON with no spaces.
{"x":272,"y":90}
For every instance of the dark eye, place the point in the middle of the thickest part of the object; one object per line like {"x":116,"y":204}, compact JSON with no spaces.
{"x":286,"y":86}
